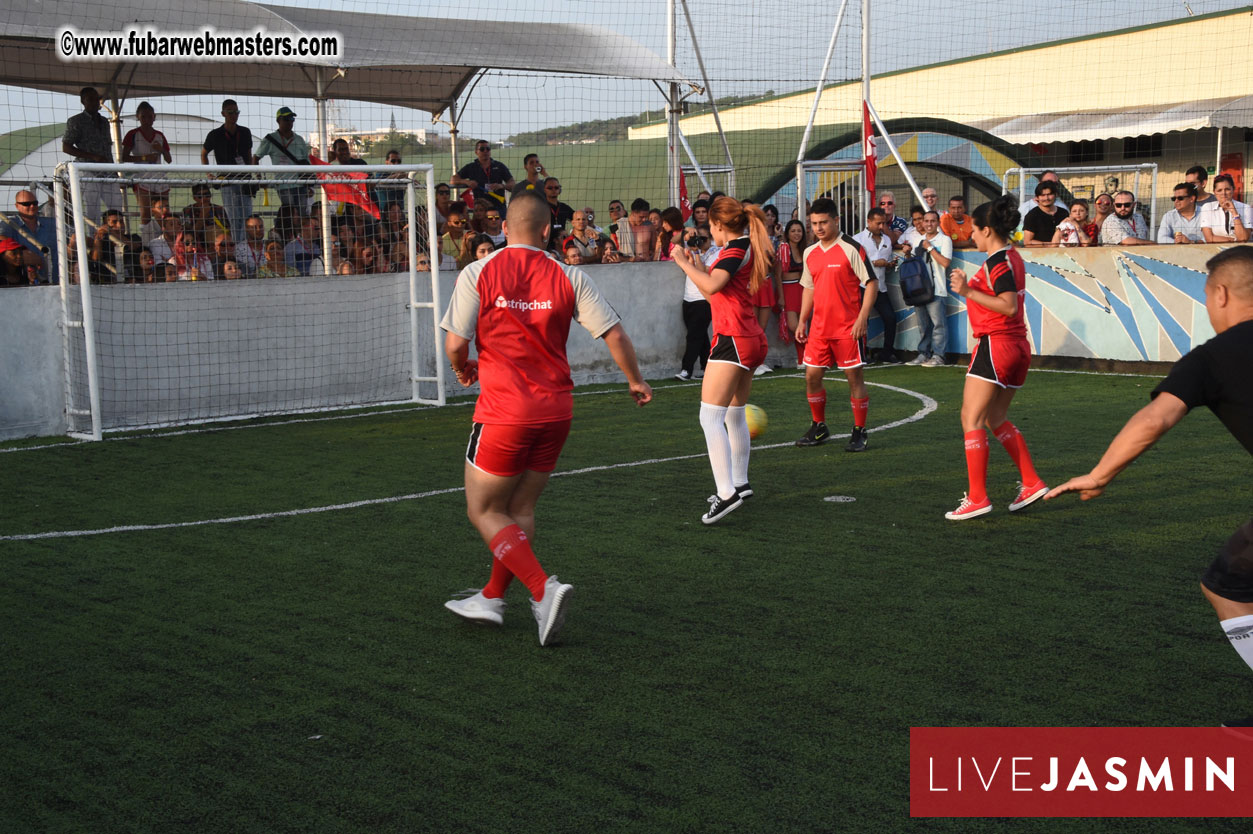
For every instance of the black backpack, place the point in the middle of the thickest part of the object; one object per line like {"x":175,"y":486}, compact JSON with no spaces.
{"x":917,"y":284}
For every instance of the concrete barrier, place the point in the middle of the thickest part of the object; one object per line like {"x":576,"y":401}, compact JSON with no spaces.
{"x":1135,"y":304}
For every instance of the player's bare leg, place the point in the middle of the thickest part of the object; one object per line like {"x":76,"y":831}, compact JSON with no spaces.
{"x":859,"y":401}
{"x":726,"y":386}
{"x":816,"y":394}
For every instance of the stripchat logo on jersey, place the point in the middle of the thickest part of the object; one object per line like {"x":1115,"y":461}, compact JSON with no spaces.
{"x":522,"y":304}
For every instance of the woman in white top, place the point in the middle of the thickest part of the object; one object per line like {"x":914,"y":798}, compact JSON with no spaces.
{"x":147,"y":145}
{"x":1226,"y":220}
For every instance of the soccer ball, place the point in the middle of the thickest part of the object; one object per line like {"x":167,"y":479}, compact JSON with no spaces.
{"x":756,"y":419}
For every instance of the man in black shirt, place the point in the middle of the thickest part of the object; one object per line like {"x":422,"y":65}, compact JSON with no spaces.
{"x":1218,"y":374}
{"x":1039,"y":224}
{"x":231,"y":144}
{"x":490,"y":179}
{"x":561,"y":213}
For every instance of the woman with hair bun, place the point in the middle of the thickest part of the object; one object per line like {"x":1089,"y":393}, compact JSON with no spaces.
{"x":998,"y":365}
{"x":739,"y":343}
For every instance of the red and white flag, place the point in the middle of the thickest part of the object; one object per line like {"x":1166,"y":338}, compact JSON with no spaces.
{"x":869,"y":151}
{"x":685,"y":205}
{"x":344,"y":192}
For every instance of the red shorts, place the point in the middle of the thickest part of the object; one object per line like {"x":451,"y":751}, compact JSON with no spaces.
{"x":844,"y":354}
{"x":746,"y":351}
{"x":1001,"y":360}
{"x":792,"y":296}
{"x":764,"y":297}
{"x":507,"y":450}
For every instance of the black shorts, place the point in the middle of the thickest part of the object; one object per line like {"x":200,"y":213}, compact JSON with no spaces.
{"x":1230,"y":575}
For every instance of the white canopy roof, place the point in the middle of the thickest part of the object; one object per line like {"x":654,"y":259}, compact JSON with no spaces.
{"x":1235,"y":111}
{"x":417,"y":62}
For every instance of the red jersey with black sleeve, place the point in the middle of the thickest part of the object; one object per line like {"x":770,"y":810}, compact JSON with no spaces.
{"x":517,"y":304}
{"x":1003,"y":271}
{"x":732,"y":306}
{"x":838,"y":275}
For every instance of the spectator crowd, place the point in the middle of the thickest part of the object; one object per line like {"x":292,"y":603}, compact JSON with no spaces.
{"x":218,"y":235}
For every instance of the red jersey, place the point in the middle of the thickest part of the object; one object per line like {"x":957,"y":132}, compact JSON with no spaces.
{"x":1003,"y":271}
{"x":733,"y":313}
{"x":838,"y":276}
{"x":517,"y":304}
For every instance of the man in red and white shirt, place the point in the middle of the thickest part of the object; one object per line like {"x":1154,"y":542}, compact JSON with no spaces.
{"x":517,"y":304}
{"x":839,"y":290}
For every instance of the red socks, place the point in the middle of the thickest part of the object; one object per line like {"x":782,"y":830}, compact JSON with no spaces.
{"x":499,"y":583}
{"x":512,"y":549}
{"x":977,"y":466}
{"x":818,"y":406}
{"x":860,"y":407}
{"x":1016,"y":445}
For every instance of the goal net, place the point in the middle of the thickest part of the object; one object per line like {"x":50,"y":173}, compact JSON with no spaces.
{"x":326,"y":298}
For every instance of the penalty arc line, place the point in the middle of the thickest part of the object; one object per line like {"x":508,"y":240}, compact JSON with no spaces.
{"x":929,"y":405}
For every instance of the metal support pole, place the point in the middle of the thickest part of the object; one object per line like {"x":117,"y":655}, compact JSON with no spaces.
{"x":84,"y":287}
{"x":324,"y":142}
{"x":865,"y":97}
{"x":412,"y":216}
{"x":672,"y":108}
{"x":909,"y":178}
{"x":822,"y":80}
{"x":452,"y":135}
{"x":726,"y":148}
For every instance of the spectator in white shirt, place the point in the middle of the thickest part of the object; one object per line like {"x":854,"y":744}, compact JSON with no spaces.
{"x":1182,"y":224}
{"x":1125,"y":227}
{"x":1226,"y":220}
{"x":932,"y":325}
{"x":878,"y":245}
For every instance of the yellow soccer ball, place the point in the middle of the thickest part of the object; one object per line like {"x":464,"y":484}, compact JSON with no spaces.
{"x":756,"y":419}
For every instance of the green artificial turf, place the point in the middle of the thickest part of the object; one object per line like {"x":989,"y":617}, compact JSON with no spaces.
{"x":299,"y":673}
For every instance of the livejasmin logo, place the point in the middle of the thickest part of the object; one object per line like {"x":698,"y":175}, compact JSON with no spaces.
{"x":1022,"y":772}
{"x":519,"y":304}
{"x":1080,"y":772}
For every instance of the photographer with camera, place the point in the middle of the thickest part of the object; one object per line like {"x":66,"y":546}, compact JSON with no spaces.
{"x":697,"y":314}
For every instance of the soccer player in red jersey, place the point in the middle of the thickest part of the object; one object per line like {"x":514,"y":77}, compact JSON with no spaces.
{"x":998,"y":366}
{"x":739,"y":343}
{"x":517,"y":304}
{"x":839,"y":289}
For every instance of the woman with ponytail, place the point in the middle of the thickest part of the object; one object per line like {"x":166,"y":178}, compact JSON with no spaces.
{"x":739,"y":343}
{"x":998,"y":366}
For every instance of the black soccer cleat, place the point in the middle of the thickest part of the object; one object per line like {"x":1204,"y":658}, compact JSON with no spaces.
{"x":857,"y":441}
{"x":720,"y":507}
{"x":818,"y":433}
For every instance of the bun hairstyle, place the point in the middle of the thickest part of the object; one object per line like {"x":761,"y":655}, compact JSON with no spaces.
{"x":737,"y":218}
{"x":1001,"y":216}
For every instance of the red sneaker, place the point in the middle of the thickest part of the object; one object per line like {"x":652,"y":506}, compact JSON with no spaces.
{"x":1028,"y":495}
{"x":968,"y":509}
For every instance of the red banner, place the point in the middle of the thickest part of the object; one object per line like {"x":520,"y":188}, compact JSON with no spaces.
{"x":685,"y":205}
{"x":344,"y":192}
{"x":869,"y":151}
{"x":1080,"y":772}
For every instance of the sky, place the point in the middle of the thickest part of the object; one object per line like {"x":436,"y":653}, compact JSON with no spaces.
{"x":749,"y":48}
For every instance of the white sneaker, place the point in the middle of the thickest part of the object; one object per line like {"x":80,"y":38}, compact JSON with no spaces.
{"x":917,"y":360}
{"x":550,"y":614}
{"x":683,"y":375}
{"x":762,"y":369}
{"x":936,"y":361}
{"x":479,"y":608}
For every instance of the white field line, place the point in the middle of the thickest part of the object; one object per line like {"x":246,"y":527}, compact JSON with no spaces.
{"x":411,"y":409}
{"x":928,"y":406}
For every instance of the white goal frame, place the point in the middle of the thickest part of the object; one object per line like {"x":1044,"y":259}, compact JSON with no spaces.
{"x":71,"y":176}
{"x":849,"y":184}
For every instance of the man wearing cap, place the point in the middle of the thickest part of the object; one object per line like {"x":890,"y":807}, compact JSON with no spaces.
{"x":18,"y":265}
{"x":286,"y":147}
{"x":37,"y":234}
{"x":231,"y":144}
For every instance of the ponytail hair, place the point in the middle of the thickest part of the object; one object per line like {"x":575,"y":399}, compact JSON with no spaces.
{"x":1001,"y":216}
{"x":738,"y":218}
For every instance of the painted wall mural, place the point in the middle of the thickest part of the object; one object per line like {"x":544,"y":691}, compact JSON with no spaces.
{"x":1137,"y":304}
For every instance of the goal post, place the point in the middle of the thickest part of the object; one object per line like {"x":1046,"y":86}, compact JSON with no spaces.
{"x":178,"y":342}
{"x":841,"y":180}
